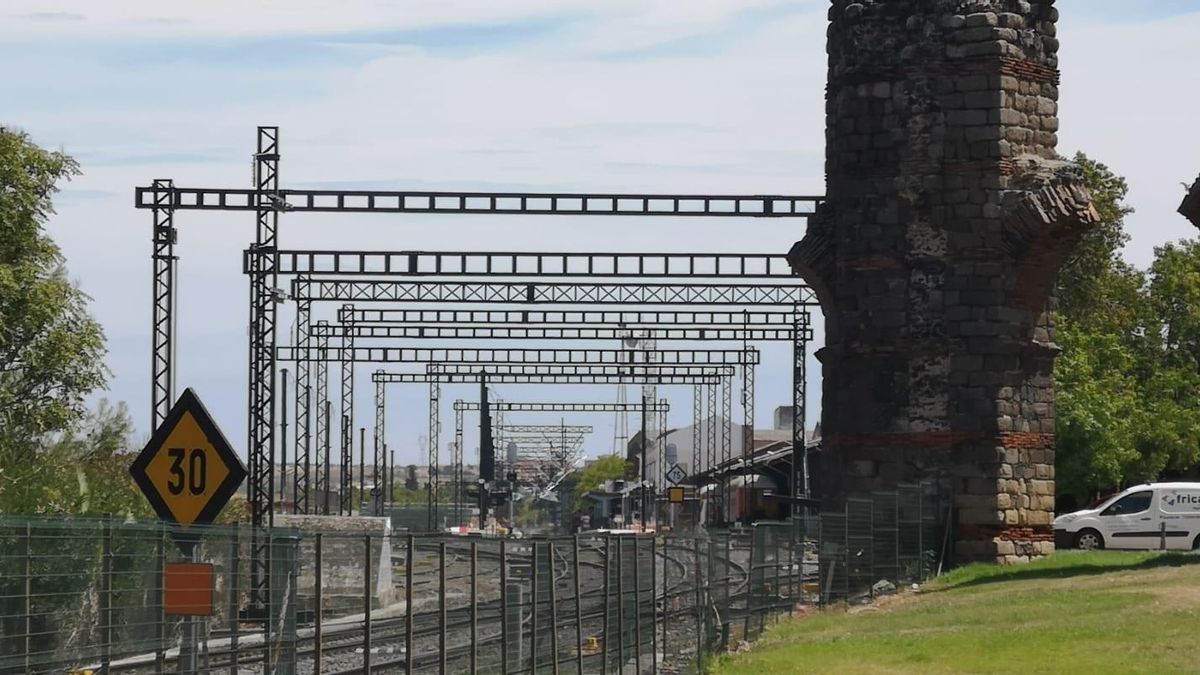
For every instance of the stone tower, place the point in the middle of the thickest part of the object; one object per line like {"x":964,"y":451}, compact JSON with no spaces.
{"x":948,"y":216}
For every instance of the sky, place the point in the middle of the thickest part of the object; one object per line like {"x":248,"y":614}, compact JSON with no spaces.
{"x":718,"y":96}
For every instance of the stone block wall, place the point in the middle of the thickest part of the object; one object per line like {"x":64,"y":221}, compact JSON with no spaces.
{"x":343,"y":561}
{"x":948,"y":215}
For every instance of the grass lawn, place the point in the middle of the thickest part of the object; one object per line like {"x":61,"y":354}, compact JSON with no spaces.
{"x":1101,"y":612}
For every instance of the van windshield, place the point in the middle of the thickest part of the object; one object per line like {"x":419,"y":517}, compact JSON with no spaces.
{"x":1100,"y":500}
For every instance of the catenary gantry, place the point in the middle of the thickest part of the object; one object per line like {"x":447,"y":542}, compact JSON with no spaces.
{"x":268,"y":200}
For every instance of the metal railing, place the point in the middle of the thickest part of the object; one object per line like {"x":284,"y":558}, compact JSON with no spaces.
{"x":79,"y":595}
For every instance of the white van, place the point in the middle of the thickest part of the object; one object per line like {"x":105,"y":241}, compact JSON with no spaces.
{"x":1135,"y":518}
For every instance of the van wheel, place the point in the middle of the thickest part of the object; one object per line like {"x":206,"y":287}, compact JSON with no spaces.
{"x":1089,"y":540}
{"x":1196,"y":543}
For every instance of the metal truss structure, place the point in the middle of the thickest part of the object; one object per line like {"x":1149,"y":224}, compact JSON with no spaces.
{"x":641,"y":319}
{"x":162,"y":322}
{"x":266,"y":204}
{"x":696,"y":357}
{"x":533,"y":264}
{"x":637,"y":373}
{"x":380,"y":450}
{"x":534,"y":374}
{"x":513,"y":429}
{"x":509,"y":406}
{"x":434,"y":332}
{"x":347,"y":428}
{"x":264,"y":263}
{"x":711,"y":378}
{"x":521,"y":203}
{"x":532,"y":293}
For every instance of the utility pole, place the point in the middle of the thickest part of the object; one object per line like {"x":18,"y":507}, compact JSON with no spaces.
{"x":362,"y":466}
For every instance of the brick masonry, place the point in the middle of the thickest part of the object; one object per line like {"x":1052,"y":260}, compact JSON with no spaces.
{"x":948,"y":216}
{"x":1190,"y":208}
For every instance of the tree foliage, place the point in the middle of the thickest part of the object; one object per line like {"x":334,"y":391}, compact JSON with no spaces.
{"x":82,"y":471}
{"x":51,"y":350}
{"x":605,"y":468}
{"x":1128,"y":387}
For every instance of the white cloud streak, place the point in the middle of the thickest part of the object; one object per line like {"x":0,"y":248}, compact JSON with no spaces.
{"x":743,"y":114}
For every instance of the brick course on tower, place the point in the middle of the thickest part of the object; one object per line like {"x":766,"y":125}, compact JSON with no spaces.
{"x":948,"y":216}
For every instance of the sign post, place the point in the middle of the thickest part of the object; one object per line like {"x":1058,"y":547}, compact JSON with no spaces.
{"x":188,"y":471}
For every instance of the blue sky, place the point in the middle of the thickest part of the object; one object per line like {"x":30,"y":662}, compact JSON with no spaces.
{"x":707,"y":95}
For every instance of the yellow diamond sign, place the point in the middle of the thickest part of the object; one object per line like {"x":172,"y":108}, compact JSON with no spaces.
{"x":188,"y":470}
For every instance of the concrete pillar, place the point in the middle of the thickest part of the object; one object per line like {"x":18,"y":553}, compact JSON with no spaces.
{"x":948,"y":216}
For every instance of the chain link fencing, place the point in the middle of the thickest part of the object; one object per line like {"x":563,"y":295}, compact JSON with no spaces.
{"x":352,"y":596}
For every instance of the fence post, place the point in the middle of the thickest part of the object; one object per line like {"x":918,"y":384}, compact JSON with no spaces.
{"x":578,"y":609}
{"x":160,"y":617}
{"x":846,"y":554}
{"x":367,"y":603}
{"x":235,"y":563}
{"x":637,"y":605}
{"x":607,"y":612}
{"x":727,"y":611}
{"x":27,"y":575}
{"x":503,"y":608}
{"x":921,"y":535}
{"x":899,"y":536}
{"x":750,"y":590}
{"x":620,"y":602}
{"x":409,"y":651}
{"x":106,"y":596}
{"x":318,"y":601}
{"x":654,"y":602}
{"x":442,"y":605}
{"x":1162,"y":536}
{"x":553,"y":607}
{"x":533,"y":612}
{"x":778,"y":584}
{"x":700,"y":629}
{"x":474,"y":607}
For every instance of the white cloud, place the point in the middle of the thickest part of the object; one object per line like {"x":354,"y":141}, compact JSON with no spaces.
{"x":638,"y":22}
{"x":746,"y":115}
{"x":1128,"y":99}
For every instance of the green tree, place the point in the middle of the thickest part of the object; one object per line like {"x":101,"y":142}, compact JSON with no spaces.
{"x":1097,"y":290}
{"x":1128,"y":383}
{"x":1096,"y":407}
{"x":1101,"y":316}
{"x":605,"y":468}
{"x":82,"y":471}
{"x":51,"y":350}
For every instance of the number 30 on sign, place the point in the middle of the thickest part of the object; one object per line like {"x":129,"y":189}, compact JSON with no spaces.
{"x":188,"y":471}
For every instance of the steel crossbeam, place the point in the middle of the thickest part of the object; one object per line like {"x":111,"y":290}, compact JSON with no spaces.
{"x":434,"y":332}
{"x":597,"y":318}
{"x":535,"y":378}
{"x":511,"y":406}
{"x":518,"y":356}
{"x":452,"y":202}
{"x":530,"y":293}
{"x":555,"y":369}
{"x":573,"y":429}
{"x":533,"y":264}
